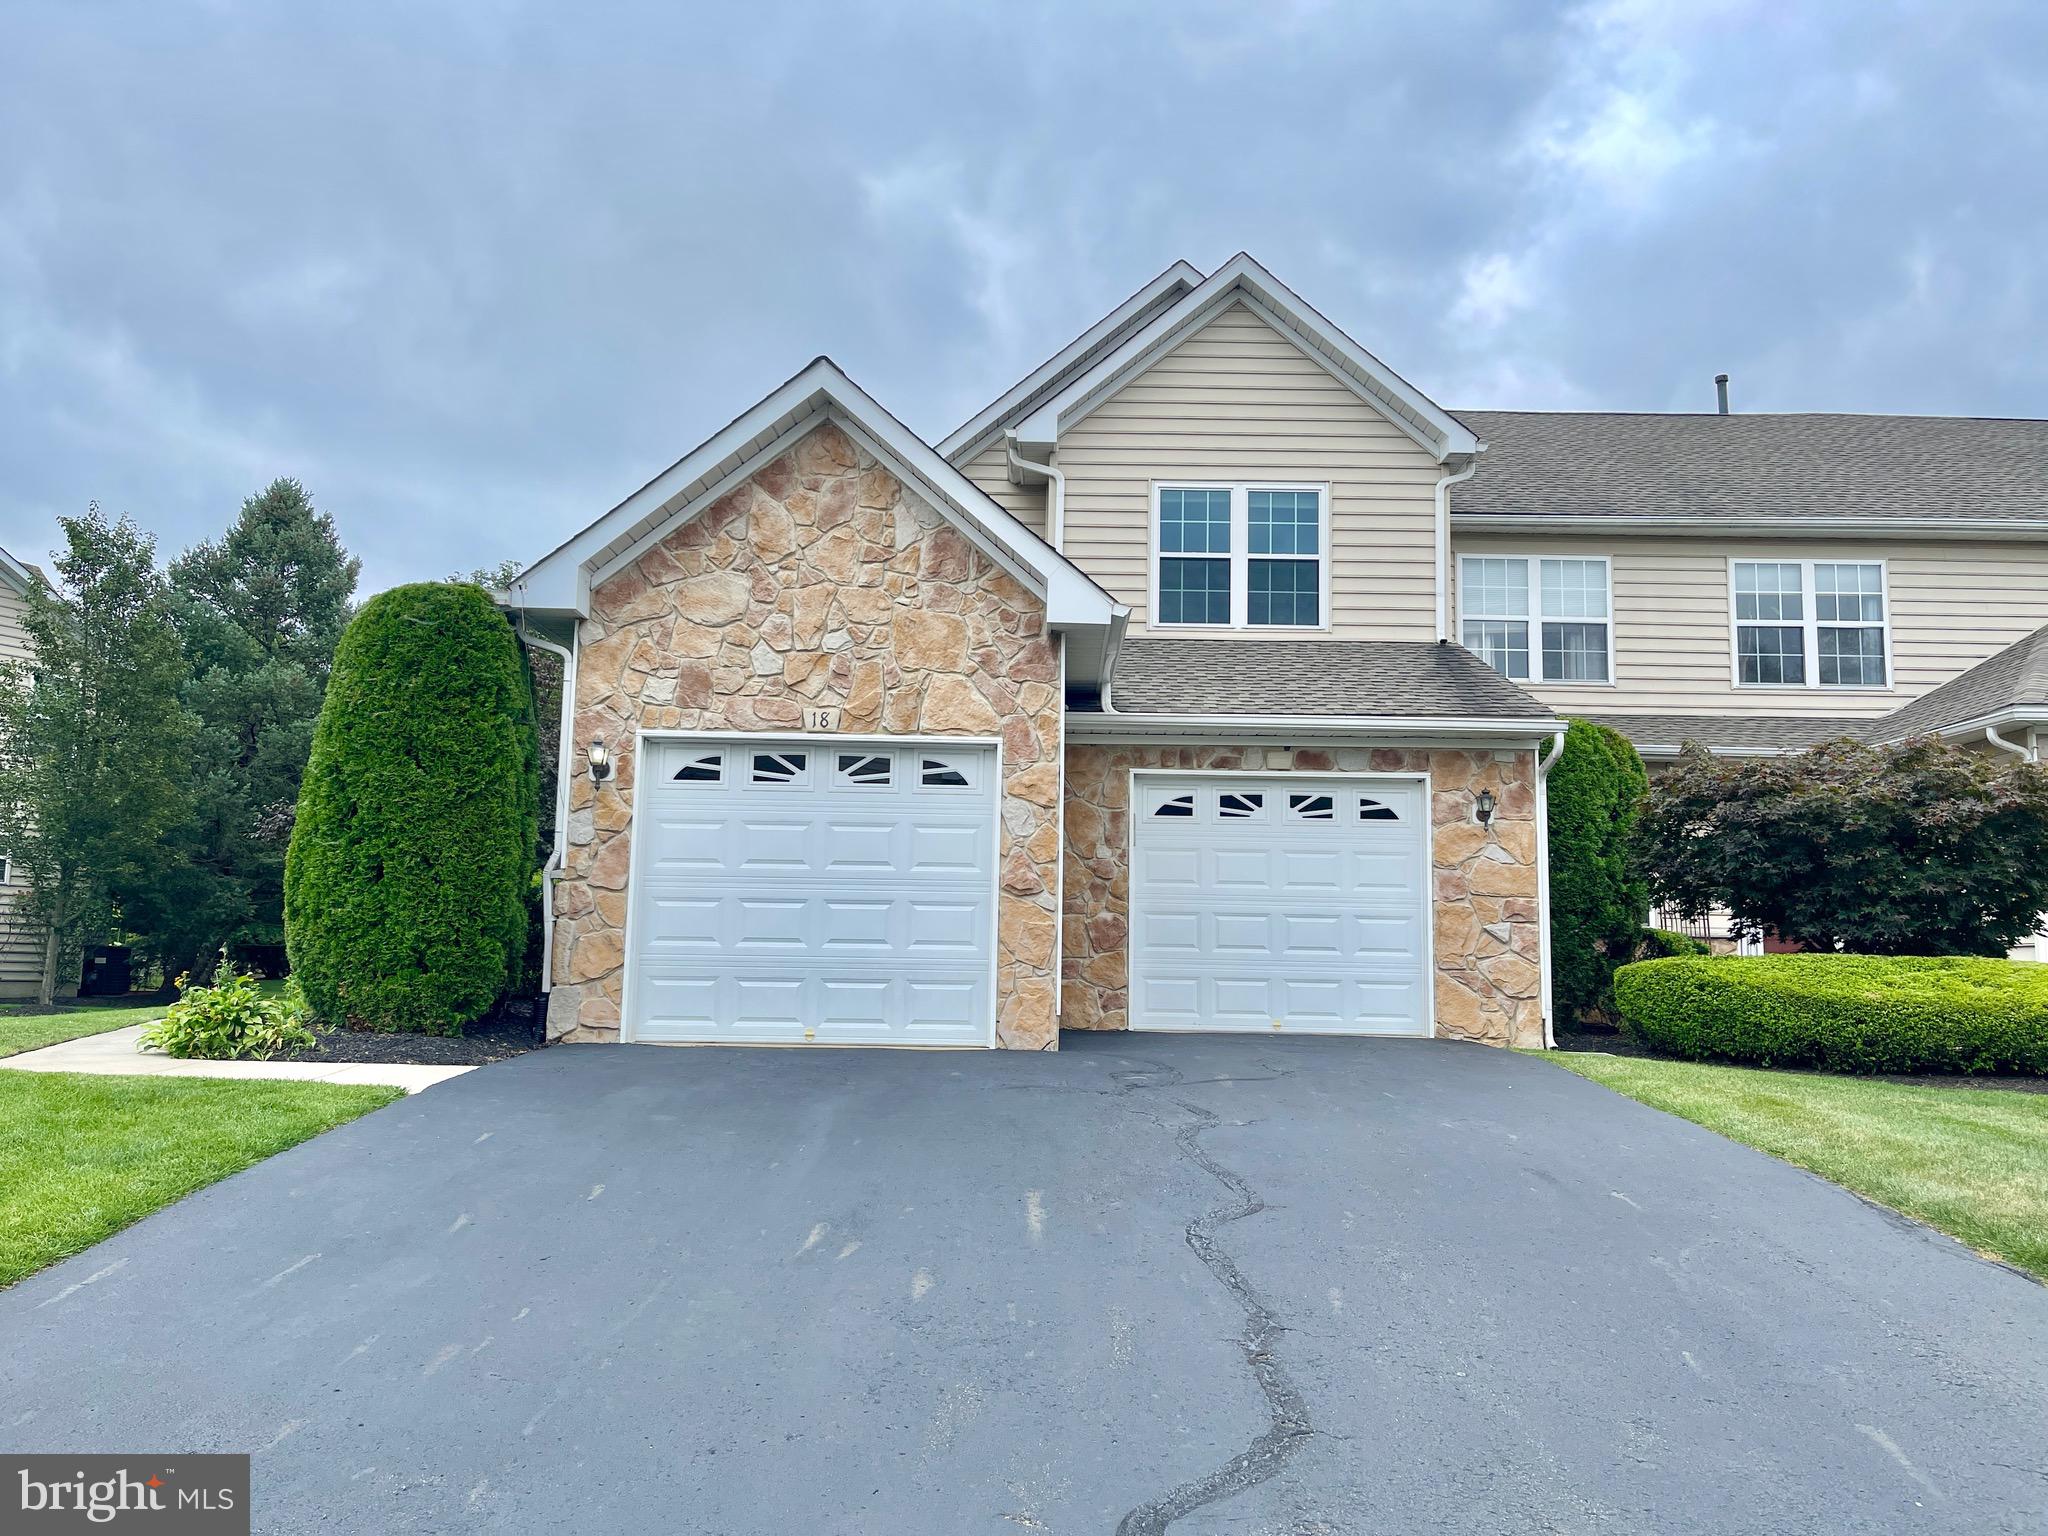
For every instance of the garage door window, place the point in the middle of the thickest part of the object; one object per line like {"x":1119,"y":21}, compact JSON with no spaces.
{"x":946,"y":773}
{"x":708,"y":769}
{"x":1370,"y":809}
{"x":1179,"y":805}
{"x":780,"y":767}
{"x":1313,"y":807}
{"x":871,"y":770}
{"x":1235,"y":807}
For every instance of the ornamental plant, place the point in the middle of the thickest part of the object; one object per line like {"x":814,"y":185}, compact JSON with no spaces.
{"x":1598,"y":903}
{"x":405,"y":897}
{"x":231,"y":1019}
{"x":1916,"y":849}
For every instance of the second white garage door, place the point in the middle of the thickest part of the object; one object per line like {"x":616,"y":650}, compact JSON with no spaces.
{"x":1288,"y":903}
{"x":809,"y":890}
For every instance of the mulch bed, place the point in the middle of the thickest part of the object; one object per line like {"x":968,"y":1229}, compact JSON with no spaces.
{"x":493,"y":1039}
{"x":1621,"y":1045}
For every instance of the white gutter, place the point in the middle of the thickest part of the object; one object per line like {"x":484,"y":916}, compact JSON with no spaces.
{"x":1543,"y":767}
{"x":557,"y":858}
{"x":1784,"y":527}
{"x":1443,"y":544}
{"x":1084,"y":724}
{"x":1056,"y":492}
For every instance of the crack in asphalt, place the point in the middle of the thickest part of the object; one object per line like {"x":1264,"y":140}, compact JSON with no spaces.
{"x":1287,"y":1410}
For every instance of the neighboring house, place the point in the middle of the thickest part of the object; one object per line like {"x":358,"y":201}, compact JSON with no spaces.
{"x":22,"y":940}
{"x":1158,"y":695}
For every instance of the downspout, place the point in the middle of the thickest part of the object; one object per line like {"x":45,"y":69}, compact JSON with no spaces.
{"x":556,"y":861}
{"x":2026,"y":754}
{"x":1543,"y":767}
{"x":1056,"y":491}
{"x":1443,"y":544}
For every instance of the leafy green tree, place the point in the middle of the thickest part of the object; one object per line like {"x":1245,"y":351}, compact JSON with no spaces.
{"x":1598,"y":903}
{"x":260,"y":612}
{"x":412,"y":859}
{"x":1915,"y":849}
{"x":94,"y":742}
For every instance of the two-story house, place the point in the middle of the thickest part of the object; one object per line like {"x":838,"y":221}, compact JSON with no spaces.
{"x":23,"y":939}
{"x":1208,"y":679}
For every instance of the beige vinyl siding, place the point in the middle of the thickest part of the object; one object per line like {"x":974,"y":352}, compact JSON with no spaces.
{"x":990,"y":469}
{"x":1952,"y":605}
{"x":13,"y":639}
{"x":21,"y":942}
{"x":1237,"y":402}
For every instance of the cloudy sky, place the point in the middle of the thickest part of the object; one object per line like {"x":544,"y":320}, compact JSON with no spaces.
{"x":472,"y":271}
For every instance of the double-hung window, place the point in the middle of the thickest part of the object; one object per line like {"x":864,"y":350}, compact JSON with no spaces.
{"x":1241,"y":556}
{"x":1538,"y":619}
{"x":1810,"y":623}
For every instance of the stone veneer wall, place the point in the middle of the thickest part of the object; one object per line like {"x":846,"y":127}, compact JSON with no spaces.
{"x":1488,"y":975}
{"x":820,"y":581}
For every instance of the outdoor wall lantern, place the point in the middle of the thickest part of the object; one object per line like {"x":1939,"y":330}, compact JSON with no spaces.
{"x":1483,"y":806}
{"x":600,"y":760}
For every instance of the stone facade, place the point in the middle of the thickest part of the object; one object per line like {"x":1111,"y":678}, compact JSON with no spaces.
{"x":821,"y":581}
{"x":1488,"y":938}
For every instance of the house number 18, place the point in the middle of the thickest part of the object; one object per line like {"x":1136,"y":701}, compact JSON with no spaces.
{"x":820,"y":718}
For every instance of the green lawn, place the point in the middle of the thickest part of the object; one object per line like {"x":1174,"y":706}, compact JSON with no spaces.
{"x":21,"y":1031}
{"x":82,"y":1157}
{"x":1971,"y":1161}
{"x":32,"y":1031}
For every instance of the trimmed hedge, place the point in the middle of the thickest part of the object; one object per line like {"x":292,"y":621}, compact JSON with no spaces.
{"x":1842,"y":1013}
{"x":1597,"y":898}
{"x":405,"y":898}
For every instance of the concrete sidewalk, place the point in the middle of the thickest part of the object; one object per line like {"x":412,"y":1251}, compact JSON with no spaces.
{"x":116,"y":1054}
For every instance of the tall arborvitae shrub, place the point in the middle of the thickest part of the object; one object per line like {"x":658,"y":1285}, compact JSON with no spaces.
{"x":407,"y":879}
{"x":1598,"y":903}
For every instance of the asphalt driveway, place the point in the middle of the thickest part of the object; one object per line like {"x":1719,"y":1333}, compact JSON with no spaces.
{"x":1221,"y":1285}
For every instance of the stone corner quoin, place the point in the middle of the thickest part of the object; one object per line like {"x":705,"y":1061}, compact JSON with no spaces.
{"x":821,"y":581}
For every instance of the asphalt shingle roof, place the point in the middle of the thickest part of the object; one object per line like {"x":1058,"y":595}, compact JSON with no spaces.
{"x":1407,"y":679}
{"x":1598,"y":463}
{"x":1734,"y":733}
{"x":2015,"y":678}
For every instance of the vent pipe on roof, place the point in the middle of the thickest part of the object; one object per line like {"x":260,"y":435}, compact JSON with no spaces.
{"x":1721,"y":391}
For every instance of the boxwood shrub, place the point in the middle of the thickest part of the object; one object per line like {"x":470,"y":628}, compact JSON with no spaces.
{"x":405,"y":896}
{"x":1665,"y":943}
{"x":1842,"y":1013}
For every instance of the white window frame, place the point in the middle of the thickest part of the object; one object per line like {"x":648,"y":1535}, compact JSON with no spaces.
{"x":6,"y":868}
{"x":1810,"y":625}
{"x":1240,"y":556}
{"x":1536,"y":618}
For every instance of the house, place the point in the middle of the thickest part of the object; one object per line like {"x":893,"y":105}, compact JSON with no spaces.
{"x":23,"y":940}
{"x":1206,"y":679}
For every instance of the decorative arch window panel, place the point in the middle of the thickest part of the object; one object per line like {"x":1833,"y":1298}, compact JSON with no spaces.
{"x":1538,"y":619}
{"x":1243,"y":556}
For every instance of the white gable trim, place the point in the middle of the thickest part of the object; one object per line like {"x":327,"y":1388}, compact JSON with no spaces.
{"x":561,"y":581}
{"x":976,"y":432}
{"x":15,"y":574}
{"x":1242,"y":280}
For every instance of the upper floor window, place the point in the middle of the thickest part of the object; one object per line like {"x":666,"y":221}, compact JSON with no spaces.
{"x":1810,"y":623}
{"x":1538,"y":619}
{"x":1241,"y":556}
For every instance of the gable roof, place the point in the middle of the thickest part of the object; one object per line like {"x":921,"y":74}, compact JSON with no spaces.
{"x":1168,"y":287}
{"x":559,"y":583}
{"x":1723,"y":471}
{"x":2008,"y":688}
{"x":1301,"y":679}
{"x":2015,"y":681}
{"x":19,"y":575}
{"x":1242,"y":280}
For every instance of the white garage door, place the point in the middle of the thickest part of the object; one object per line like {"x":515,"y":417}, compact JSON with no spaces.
{"x":812,"y":890}
{"x":1288,"y":903}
